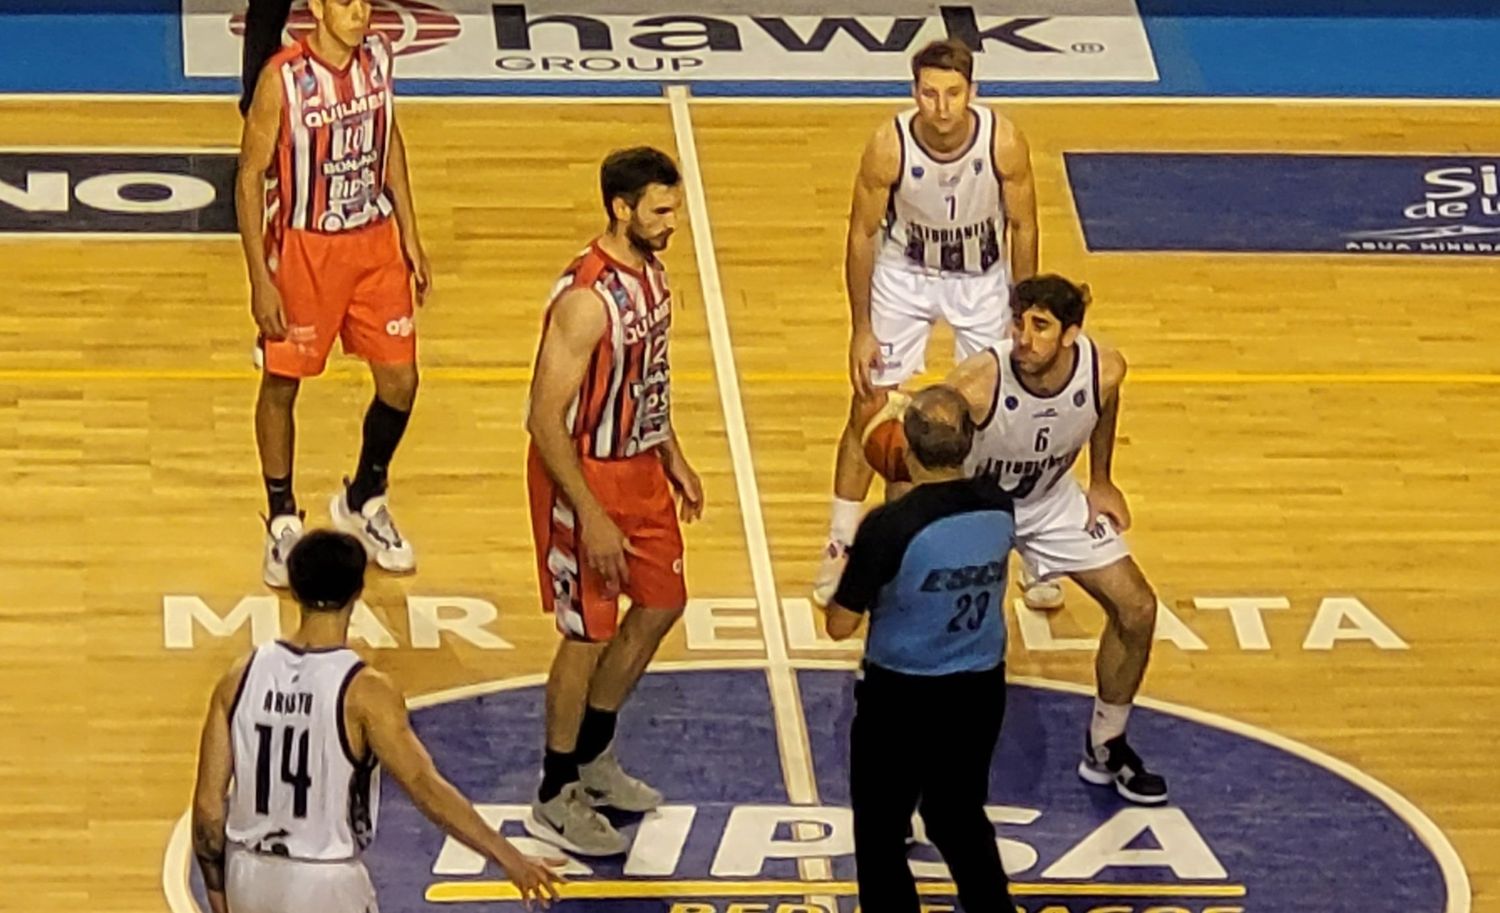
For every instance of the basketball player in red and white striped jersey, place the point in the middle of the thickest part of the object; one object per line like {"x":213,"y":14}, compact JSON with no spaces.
{"x":602,"y":470}
{"x":338,"y":261}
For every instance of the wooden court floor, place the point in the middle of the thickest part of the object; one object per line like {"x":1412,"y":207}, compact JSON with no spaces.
{"x":128,"y":471}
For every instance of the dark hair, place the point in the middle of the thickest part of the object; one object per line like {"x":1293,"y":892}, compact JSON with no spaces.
{"x":626,"y":173}
{"x":939,"y":429}
{"x":948,"y":54}
{"x":1055,"y":295}
{"x":327,"y":570}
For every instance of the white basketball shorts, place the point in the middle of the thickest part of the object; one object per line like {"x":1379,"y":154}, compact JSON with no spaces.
{"x":1053,"y":536}
{"x":904,"y":304}
{"x":259,"y":883}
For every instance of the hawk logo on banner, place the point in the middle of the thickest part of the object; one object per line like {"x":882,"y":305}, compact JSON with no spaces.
{"x":735,"y":40}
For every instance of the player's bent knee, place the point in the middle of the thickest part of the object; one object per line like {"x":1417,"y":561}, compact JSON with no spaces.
{"x":1137,"y":615}
{"x":396,"y":385}
{"x":279,"y":390}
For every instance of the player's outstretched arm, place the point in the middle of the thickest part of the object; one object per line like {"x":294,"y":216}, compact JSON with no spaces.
{"x":378,"y":709}
{"x":215,"y":767}
{"x":257,"y":149}
{"x":879,"y":168}
{"x":1018,"y":187}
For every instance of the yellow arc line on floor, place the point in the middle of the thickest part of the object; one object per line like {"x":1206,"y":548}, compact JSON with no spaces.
{"x":461,"y":891}
{"x":522,"y":375}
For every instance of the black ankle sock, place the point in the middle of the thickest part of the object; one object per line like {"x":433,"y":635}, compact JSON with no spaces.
{"x":384,"y":426}
{"x":595,"y":734}
{"x":559,"y":768}
{"x":279,"y":497}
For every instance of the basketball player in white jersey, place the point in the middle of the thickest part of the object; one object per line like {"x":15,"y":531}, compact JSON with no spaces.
{"x":300,"y":727}
{"x":942,"y":223}
{"x":1039,"y":398}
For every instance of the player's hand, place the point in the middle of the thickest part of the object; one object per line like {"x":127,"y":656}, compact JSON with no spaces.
{"x":605,"y":548}
{"x":266,"y":308}
{"x":421,"y":270}
{"x":864,"y":355}
{"x":536,"y":879}
{"x":1109,"y":502}
{"x":689,"y":487}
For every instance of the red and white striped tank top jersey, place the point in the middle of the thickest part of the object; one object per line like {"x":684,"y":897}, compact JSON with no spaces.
{"x":624,"y":403}
{"x":335,"y":136}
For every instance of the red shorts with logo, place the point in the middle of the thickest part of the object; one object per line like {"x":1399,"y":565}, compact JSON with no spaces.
{"x":353,"y":286}
{"x":636,"y":494}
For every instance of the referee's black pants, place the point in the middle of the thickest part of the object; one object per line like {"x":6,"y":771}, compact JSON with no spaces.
{"x":927,"y":737}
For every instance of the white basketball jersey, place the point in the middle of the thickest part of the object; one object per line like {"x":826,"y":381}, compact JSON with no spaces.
{"x":299,"y":791}
{"x":948,"y":215}
{"x":1027,"y":435}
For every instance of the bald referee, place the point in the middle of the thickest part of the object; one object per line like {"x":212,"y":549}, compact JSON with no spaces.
{"x":929,"y":569}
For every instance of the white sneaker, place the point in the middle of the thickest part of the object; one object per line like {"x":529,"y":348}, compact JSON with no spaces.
{"x":1040,"y":595}
{"x":373,"y":526}
{"x":567,"y":821}
{"x":607,"y":785}
{"x":282,"y":532}
{"x":826,"y":583}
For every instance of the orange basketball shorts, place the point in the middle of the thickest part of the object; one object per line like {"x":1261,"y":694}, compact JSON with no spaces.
{"x":636,"y":494}
{"x":353,"y":286}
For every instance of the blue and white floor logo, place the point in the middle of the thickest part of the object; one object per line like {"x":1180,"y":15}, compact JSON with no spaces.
{"x":1427,"y":205}
{"x":1258,"y":823}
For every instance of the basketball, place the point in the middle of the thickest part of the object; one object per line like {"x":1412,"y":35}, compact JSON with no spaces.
{"x":884,"y":437}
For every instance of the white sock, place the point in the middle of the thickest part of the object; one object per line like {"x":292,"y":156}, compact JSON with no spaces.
{"x":1108,"y":721}
{"x":845,"y":519}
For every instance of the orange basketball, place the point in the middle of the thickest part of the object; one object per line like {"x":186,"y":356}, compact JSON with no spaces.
{"x":884,"y":437}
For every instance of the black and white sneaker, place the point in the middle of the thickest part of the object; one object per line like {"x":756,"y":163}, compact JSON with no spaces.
{"x":282,"y":532}
{"x":1116,"y":762}
{"x":374,"y":526}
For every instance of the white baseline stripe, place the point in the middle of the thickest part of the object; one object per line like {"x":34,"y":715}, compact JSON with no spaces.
{"x":786,"y":701}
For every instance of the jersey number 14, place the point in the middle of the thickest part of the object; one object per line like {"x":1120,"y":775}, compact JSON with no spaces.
{"x":292,"y":740}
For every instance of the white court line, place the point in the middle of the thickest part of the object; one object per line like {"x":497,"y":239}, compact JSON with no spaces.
{"x":786,"y":701}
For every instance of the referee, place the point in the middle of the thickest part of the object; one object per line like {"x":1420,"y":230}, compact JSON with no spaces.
{"x":264,"y":21}
{"x":929,"y":568}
